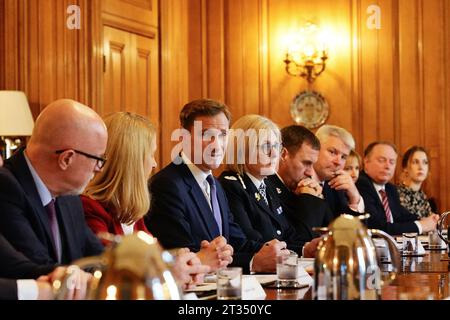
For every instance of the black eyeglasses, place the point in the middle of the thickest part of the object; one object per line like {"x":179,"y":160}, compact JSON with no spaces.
{"x":100,"y":161}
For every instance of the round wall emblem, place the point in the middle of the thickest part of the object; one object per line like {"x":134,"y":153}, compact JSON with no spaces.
{"x":309,"y":109}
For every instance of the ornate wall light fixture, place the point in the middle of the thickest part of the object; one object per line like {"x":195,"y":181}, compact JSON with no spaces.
{"x":307,"y":52}
{"x":306,"y":57}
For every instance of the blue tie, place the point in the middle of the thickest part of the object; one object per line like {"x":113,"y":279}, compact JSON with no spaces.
{"x":214,"y":202}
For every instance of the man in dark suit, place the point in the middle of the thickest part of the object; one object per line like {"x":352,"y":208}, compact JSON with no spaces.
{"x":300,"y":195}
{"x":381,"y":197}
{"x":339,"y":190}
{"x":40,"y":214}
{"x":14,"y":265}
{"x":189,"y":207}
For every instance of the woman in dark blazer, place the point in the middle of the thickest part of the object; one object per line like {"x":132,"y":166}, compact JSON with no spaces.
{"x":252,"y":155}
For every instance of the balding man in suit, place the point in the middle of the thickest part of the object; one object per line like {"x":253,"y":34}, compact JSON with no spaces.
{"x":15,"y":265}
{"x":381,"y":196}
{"x":41,"y":214}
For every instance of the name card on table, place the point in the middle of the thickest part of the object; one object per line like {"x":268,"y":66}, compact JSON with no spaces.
{"x":252,"y":289}
{"x":304,"y":277}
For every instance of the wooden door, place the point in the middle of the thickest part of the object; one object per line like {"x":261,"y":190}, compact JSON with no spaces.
{"x":131,"y":74}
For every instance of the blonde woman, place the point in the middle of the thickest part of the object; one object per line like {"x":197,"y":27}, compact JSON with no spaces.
{"x":252,"y":155}
{"x":353,"y":165}
{"x":117,"y":198}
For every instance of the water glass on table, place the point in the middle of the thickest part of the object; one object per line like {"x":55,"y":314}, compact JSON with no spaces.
{"x":410,"y":243}
{"x":287,"y":270}
{"x":229,"y":284}
{"x":434,"y":241}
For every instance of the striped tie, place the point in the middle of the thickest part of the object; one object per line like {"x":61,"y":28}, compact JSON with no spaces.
{"x":262,"y":192}
{"x":385,"y":202}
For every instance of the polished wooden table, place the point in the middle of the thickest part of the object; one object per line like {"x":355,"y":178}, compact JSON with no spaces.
{"x":421,"y":278}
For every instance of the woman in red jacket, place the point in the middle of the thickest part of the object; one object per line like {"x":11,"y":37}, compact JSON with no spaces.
{"x":117,"y":198}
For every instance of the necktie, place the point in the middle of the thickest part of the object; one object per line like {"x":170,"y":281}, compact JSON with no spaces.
{"x":262,"y":192}
{"x":51,"y":212}
{"x":385,"y":202}
{"x":214,"y":202}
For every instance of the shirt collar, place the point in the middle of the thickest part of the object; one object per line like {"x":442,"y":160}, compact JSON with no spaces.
{"x":255,"y":181}
{"x":199,"y":175}
{"x":378,"y":187}
{"x":42,"y":189}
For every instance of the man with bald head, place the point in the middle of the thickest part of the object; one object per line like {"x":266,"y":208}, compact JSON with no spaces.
{"x":41,"y":214}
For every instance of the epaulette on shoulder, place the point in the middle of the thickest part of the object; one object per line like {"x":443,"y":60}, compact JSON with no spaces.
{"x":236,"y":178}
{"x":232,"y":178}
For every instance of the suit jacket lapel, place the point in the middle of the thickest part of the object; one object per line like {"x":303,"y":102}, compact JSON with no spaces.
{"x":19,"y":168}
{"x":379,"y":204}
{"x":201,"y":202}
{"x":280,"y":188}
{"x":326,"y":191}
{"x":223,"y":210}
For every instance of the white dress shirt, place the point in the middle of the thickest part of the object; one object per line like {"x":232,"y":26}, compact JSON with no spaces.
{"x":27,"y":289}
{"x":255,"y":181}
{"x":127,"y":228}
{"x":200,"y":176}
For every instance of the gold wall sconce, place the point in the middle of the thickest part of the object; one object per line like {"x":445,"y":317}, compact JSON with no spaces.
{"x":307,"y":52}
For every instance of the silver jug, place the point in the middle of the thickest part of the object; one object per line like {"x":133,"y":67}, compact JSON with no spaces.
{"x":346,"y":264}
{"x":442,"y":227}
{"x":133,"y":268}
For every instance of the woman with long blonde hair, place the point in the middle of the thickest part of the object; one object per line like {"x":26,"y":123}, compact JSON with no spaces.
{"x":117,"y":199}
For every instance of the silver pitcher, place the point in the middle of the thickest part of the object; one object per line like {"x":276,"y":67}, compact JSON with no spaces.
{"x":442,"y":227}
{"x":133,"y":268}
{"x":346,"y":265}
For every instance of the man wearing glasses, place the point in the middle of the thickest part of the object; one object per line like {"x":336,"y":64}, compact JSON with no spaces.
{"x":41,"y":214}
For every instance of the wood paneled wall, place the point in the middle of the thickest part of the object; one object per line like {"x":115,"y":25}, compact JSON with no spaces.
{"x":40,"y":55}
{"x":390,"y":84}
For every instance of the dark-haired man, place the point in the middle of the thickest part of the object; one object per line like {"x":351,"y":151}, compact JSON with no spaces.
{"x":189,"y":207}
{"x":301,"y":196}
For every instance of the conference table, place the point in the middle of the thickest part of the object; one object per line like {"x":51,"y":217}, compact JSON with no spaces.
{"x":420,"y":278}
